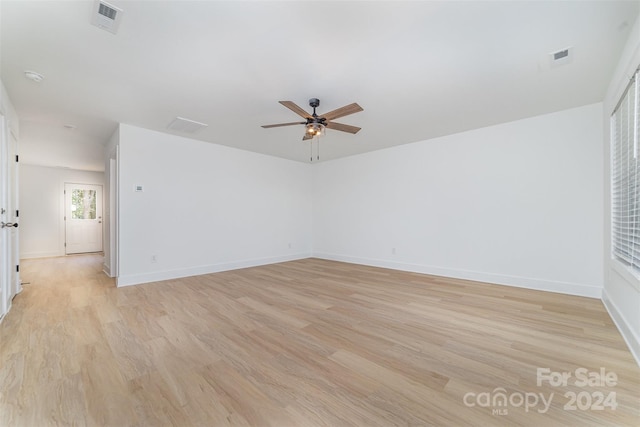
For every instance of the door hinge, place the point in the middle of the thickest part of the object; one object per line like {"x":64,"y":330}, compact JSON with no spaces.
{"x":17,"y":213}
{"x":65,"y":218}
{"x":16,"y":158}
{"x":17,"y":269}
{"x":65,"y":244}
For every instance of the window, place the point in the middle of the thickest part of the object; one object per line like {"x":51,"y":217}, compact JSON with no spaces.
{"x":83,"y":204}
{"x":625,"y":178}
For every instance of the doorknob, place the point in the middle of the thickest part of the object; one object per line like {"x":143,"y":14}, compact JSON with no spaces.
{"x":9,"y":224}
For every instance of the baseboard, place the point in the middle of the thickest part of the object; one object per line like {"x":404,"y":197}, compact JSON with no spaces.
{"x":136,"y":279}
{"x":106,"y":270}
{"x":498,"y":279}
{"x":629,"y":336}
{"x":31,"y":255}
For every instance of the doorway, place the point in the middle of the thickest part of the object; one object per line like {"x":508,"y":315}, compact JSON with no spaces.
{"x":83,"y":218}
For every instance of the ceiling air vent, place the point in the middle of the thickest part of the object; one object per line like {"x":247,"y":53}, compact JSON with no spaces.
{"x":560,"y":54}
{"x":185,"y":125}
{"x":561,"y":57}
{"x":106,"y":16}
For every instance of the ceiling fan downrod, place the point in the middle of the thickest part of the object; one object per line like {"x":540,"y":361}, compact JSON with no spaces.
{"x":314,"y":119}
{"x":313,"y":103}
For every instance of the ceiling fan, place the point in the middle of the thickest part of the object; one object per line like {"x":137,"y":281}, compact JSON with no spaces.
{"x":316,"y":124}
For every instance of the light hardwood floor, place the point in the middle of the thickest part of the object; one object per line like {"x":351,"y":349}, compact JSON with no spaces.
{"x":303,"y":343}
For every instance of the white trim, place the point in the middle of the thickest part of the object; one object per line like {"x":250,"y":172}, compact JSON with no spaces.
{"x":629,"y":336}
{"x":31,"y":255}
{"x":106,"y":270}
{"x":136,"y":279}
{"x":577,"y":289}
{"x":42,"y":165}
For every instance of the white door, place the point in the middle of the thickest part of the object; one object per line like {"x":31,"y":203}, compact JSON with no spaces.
{"x":15,"y":285}
{"x":9,"y":276}
{"x":5,"y":274}
{"x":83,"y":218}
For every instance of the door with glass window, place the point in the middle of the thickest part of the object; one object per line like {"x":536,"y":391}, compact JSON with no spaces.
{"x":83,"y":218}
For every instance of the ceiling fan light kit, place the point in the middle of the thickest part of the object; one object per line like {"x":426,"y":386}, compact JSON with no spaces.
{"x":315,"y":129}
{"x":315,"y":125}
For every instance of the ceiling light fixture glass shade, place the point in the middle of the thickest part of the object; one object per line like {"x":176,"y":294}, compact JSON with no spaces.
{"x":315,"y":129}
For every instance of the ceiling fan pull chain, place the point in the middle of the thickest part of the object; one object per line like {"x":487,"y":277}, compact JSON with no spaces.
{"x":318,"y":147}
{"x":311,"y":149}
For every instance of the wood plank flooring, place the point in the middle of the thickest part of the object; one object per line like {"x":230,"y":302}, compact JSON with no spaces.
{"x":303,"y":343}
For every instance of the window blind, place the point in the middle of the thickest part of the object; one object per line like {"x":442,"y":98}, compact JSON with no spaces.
{"x":625,"y":177}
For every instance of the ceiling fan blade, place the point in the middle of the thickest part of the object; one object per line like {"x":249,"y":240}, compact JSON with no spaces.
{"x":293,"y":107}
{"x":343,"y":128}
{"x":282,"y":124}
{"x":342,"y":111}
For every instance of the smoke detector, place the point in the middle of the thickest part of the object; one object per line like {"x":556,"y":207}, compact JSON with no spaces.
{"x":106,"y":16}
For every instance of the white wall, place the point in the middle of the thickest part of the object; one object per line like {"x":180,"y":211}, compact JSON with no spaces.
{"x":206,"y":207}
{"x":518,"y":203}
{"x":621,"y":293}
{"x":41,"y":191}
{"x":78,"y":151}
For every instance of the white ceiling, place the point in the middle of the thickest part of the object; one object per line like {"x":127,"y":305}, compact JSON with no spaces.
{"x":419,"y":69}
